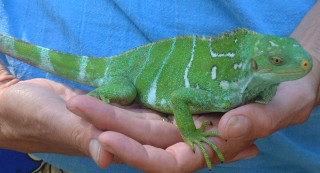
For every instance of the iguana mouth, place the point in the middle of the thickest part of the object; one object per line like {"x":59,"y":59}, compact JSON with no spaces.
{"x":291,"y":73}
{"x":268,"y":71}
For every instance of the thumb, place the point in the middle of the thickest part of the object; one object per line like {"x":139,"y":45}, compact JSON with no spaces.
{"x":248,"y":122}
{"x":290,"y":106}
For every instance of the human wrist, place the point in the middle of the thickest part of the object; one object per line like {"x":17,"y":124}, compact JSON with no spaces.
{"x":308,"y":34}
{"x":6,"y":79}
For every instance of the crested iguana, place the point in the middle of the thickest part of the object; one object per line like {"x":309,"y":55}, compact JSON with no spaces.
{"x":181,"y":75}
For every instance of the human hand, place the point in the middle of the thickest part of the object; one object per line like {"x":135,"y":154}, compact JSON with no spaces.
{"x":294,"y":100}
{"x":292,"y":105}
{"x":145,"y":141}
{"x":34,"y":118}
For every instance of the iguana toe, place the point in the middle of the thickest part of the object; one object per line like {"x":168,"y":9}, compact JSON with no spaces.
{"x":198,"y":137}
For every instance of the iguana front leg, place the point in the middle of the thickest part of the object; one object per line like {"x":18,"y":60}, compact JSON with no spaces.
{"x":267,"y":95}
{"x":183,"y":101}
{"x":117,"y":90}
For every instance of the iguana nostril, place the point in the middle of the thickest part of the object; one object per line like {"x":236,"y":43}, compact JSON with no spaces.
{"x":305,"y":64}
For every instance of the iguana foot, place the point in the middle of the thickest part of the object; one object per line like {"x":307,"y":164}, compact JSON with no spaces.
{"x":98,"y":95}
{"x":118,"y":90}
{"x":198,"y":136}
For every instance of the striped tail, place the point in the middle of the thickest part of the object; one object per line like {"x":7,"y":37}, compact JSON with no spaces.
{"x":65,"y":65}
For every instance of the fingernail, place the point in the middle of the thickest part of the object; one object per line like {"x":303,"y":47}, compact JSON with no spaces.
{"x":237,"y":127}
{"x":94,"y":149}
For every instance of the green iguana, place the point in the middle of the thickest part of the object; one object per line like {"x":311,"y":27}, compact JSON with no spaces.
{"x":181,"y":75}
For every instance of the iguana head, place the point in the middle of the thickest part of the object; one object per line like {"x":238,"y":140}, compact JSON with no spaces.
{"x":278,"y":59}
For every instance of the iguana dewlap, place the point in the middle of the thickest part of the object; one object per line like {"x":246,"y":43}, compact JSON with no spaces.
{"x":181,"y":75}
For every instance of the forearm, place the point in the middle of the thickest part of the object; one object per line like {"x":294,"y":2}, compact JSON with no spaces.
{"x":308,"y":34}
{"x":6,"y":79}
{"x":34,"y":118}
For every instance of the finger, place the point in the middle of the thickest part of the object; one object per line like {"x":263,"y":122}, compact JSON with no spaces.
{"x":108,"y":117}
{"x":248,"y":153}
{"x":62,"y":90}
{"x":6,"y":79}
{"x":83,"y":104}
{"x":176,"y":158}
{"x":100,"y":156}
{"x":259,"y":120}
{"x":179,"y":158}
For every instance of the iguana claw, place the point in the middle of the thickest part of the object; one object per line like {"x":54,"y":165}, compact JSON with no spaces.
{"x":199,"y":136}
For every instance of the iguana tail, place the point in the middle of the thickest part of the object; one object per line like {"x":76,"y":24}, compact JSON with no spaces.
{"x":70,"y":66}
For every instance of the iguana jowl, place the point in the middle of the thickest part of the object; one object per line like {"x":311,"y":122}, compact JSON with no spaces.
{"x":181,"y":75}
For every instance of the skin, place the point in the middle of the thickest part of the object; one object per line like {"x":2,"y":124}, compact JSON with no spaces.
{"x":172,"y":152}
{"x":150,"y":154}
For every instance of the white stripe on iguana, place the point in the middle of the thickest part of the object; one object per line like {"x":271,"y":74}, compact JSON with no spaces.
{"x":152,"y":94}
{"x":237,"y":66}
{"x":164,"y":103}
{"x":103,"y":79}
{"x":83,"y":67}
{"x":186,"y":72}
{"x":224,"y":85}
{"x":218,"y":55}
{"x":45,"y":59}
{"x":144,"y":63}
{"x":273,"y":44}
{"x":214,"y":72}
{"x":203,"y":38}
{"x":8,"y":44}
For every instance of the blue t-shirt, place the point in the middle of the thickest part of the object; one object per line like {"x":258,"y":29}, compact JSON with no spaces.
{"x":109,"y":27}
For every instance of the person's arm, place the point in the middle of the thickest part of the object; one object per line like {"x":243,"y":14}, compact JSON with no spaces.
{"x":308,"y":34}
{"x":34,"y":118}
{"x":294,"y":100}
{"x":6,"y":79}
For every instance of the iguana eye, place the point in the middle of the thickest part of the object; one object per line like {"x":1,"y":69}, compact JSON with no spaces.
{"x":276,"y":60}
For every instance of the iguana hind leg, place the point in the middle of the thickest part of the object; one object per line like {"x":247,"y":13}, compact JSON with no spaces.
{"x":182,"y":100}
{"x":117,"y":90}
